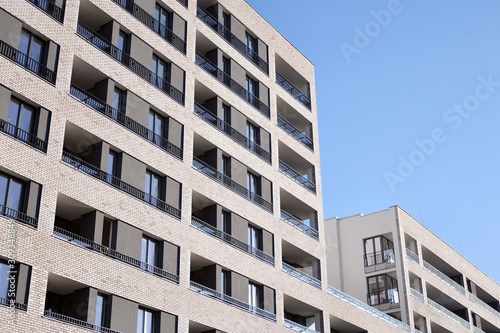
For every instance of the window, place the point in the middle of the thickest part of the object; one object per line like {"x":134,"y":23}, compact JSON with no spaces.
{"x":21,"y":116}
{"x":254,"y":238}
{"x":118,"y":103}
{"x":162,"y":22}
{"x":160,"y":71}
{"x":113,"y":171}
{"x":4,"y":282}
{"x":251,"y":45}
{"x":225,"y":221}
{"x":152,"y":188}
{"x":11,"y":196}
{"x":225,"y":286}
{"x":107,"y":232}
{"x":123,"y":47}
{"x":32,"y":51}
{"x":252,"y":91}
{"x":157,"y":128}
{"x":146,"y":321}
{"x":252,"y":185}
{"x":101,"y":313}
{"x":226,"y":23}
{"x":254,"y":295}
{"x":253,"y":137}
{"x":225,"y":116}
{"x":226,"y":170}
{"x":378,"y":250}
{"x":382,"y":289}
{"x":149,"y":253}
{"x":226,"y":71}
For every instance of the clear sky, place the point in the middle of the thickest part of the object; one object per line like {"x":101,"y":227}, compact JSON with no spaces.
{"x":408,"y":96}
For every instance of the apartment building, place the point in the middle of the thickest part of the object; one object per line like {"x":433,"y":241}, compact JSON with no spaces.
{"x":393,"y":263}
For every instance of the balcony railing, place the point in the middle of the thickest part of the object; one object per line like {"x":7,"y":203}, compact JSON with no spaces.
{"x":232,"y":39}
{"x":225,"y":128}
{"x":77,"y":322}
{"x":438,"y":307}
{"x":417,"y":295}
{"x":296,"y":93}
{"x":18,"y":216}
{"x":484,"y":305}
{"x":127,"y":122}
{"x":298,"y":224}
{"x":88,"y":244}
{"x":214,"y":232}
{"x":365,"y":307}
{"x":298,"y":135}
{"x":145,"y":18}
{"x":26,"y":62}
{"x":297,"y":177}
{"x":50,"y":7}
{"x":201,"y":289}
{"x":95,"y":172}
{"x":23,"y":136}
{"x":412,"y":256}
{"x":297,"y":327}
{"x":301,"y":275}
{"x":444,"y":277}
{"x":18,"y":306}
{"x":389,"y":298}
{"x":126,"y":60}
{"x":209,"y":171}
{"x":386,"y":257}
{"x":225,"y":79}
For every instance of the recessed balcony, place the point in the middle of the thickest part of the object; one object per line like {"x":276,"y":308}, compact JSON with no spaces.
{"x":298,"y":224}
{"x":292,"y":90}
{"x":300,"y":178}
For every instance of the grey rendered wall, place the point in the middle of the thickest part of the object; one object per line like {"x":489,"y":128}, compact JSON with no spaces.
{"x":10,"y":29}
{"x":4,"y":97}
{"x":177,"y":77}
{"x":265,"y":139}
{"x":239,"y":286}
{"x":137,"y":108}
{"x":211,"y":276}
{"x":179,"y":26}
{"x":267,"y":189}
{"x":239,"y":227}
{"x":147,"y":5}
{"x":128,"y":240}
{"x":173,"y":195}
{"x":269,"y":299}
{"x":238,"y":172}
{"x":123,"y":315}
{"x":133,"y":171}
{"x":35,"y":190}
{"x":140,"y":51}
{"x":238,"y":73}
{"x":92,"y":226}
{"x":170,"y":257}
{"x":263,"y":93}
{"x":267,"y":242}
{"x":168,"y":322}
{"x":52,"y":55}
{"x":23,"y":283}
{"x":238,"y":121}
{"x":262,"y":50}
{"x":175,"y":132}
{"x":44,"y":117}
{"x":104,"y":90}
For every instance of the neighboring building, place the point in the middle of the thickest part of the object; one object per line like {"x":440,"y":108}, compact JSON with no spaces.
{"x":393,"y":263}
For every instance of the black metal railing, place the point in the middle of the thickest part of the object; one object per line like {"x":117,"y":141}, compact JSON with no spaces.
{"x":213,"y":231}
{"x":298,"y":135}
{"x":231,"y":184}
{"x":296,"y":93}
{"x":232,"y":84}
{"x":23,"y":136}
{"x":148,"y":20}
{"x":226,"y":34}
{"x":77,"y":322}
{"x":28,"y":63}
{"x":88,"y":244}
{"x":209,"y":292}
{"x":127,"y":122}
{"x":125,"y":59}
{"x":381,"y":257}
{"x":9,"y":303}
{"x":18,"y":216}
{"x":95,"y":172}
{"x":51,"y":8}
{"x":298,"y":224}
{"x":297,"y":177}
{"x":225,"y":128}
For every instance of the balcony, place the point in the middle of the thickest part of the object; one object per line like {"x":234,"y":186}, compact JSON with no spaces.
{"x":365,"y":307}
{"x":412,"y":256}
{"x":225,"y":79}
{"x":76,"y":322}
{"x":18,"y":306}
{"x":209,"y":171}
{"x":50,"y":8}
{"x":108,"y":252}
{"x":297,"y":177}
{"x":379,"y":260}
{"x":290,"y":88}
{"x":153,"y":24}
{"x":95,"y":172}
{"x":236,"y":136}
{"x":18,"y":216}
{"x":201,"y":289}
{"x":143,"y":72}
{"x":417,"y":295}
{"x":235,"y":42}
{"x":298,"y":224}
{"x":119,"y":117}
{"x":484,"y":305}
{"x":301,"y":275}
{"x":26,"y":62}
{"x":438,"y":307}
{"x":297,"y":327}
{"x":384,"y":299}
{"x":444,"y":277}
{"x":214,"y":232}
{"x":295,"y":133}
{"x":21,"y":135}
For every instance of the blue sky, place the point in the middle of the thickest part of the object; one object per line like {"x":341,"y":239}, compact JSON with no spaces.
{"x":408,"y":96}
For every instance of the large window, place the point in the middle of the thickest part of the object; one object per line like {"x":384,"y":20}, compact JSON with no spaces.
{"x":152,"y":187}
{"x":254,"y":237}
{"x":251,"y":45}
{"x":163,"y":20}
{"x":113,"y":170}
{"x":254,"y":295}
{"x":22,"y":118}
{"x":32,"y":49}
{"x":253,"y":185}
{"x":149,"y":253}
{"x":382,"y":289}
{"x":252,"y":90}
{"x":11,"y":196}
{"x":253,"y":137}
{"x":157,"y":127}
{"x":160,"y":71}
{"x":118,"y":103}
{"x":378,"y":250}
{"x":226,"y":70}
{"x":101,"y":311}
{"x":225,"y":285}
{"x":146,"y":321}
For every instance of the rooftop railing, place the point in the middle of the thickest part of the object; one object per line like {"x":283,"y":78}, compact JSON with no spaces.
{"x":235,"y":42}
{"x":126,"y":60}
{"x":23,"y":136}
{"x":296,"y":93}
{"x":201,"y":289}
{"x":301,"y":275}
{"x":26,"y":62}
{"x":298,"y":135}
{"x":127,"y":122}
{"x":225,"y":128}
{"x":95,"y":172}
{"x":17,"y":305}
{"x":109,"y":252}
{"x":238,"y":89}
{"x":297,"y":177}
{"x":297,"y":327}
{"x":298,"y":224}
{"x":145,"y":18}
{"x":438,"y":307}
{"x":484,"y":305}
{"x":77,"y":322}
{"x":50,"y":8}
{"x":444,"y":277}
{"x":211,"y":172}
{"x":18,"y":216}
{"x":365,"y":307}
{"x":214,"y":232}
{"x":412,"y":256}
